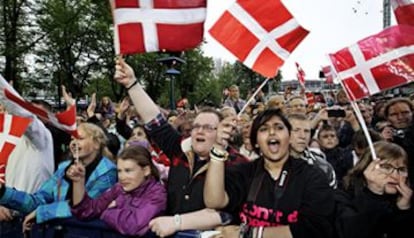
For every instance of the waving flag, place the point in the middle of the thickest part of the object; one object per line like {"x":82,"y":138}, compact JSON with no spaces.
{"x":260,"y":33}
{"x":11,"y":130}
{"x":154,"y":25}
{"x":65,"y":120}
{"x":377,"y":63}
{"x":328,"y":74}
{"x":300,"y":74}
{"x":310,"y":98}
{"x":403,"y":11}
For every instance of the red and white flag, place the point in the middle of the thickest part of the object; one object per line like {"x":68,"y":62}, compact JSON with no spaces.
{"x":260,"y":33}
{"x":154,"y":25}
{"x":310,"y":98}
{"x":328,"y":74}
{"x":377,"y":63}
{"x":12,"y":129}
{"x":300,"y":74}
{"x":403,"y":11}
{"x":65,"y":120}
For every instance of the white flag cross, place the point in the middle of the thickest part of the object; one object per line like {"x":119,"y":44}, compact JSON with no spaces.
{"x":149,"y":16}
{"x":5,"y":134}
{"x":267,"y":39}
{"x":363,"y":66}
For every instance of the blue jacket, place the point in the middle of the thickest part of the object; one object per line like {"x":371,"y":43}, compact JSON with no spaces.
{"x":50,"y":200}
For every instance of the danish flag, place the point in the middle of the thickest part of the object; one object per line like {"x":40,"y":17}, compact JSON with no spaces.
{"x":300,"y":74}
{"x":154,"y":25}
{"x":403,"y":11}
{"x":260,"y":33}
{"x":310,"y":98}
{"x":11,"y":130}
{"x":328,"y":74}
{"x":377,"y":63}
{"x":65,"y":120}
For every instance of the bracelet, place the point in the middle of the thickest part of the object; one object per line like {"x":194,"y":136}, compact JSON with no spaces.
{"x":218,"y":156}
{"x":132,"y":85}
{"x":177,"y":221}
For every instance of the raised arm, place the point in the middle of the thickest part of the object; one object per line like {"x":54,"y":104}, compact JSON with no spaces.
{"x":215,"y":195}
{"x":143,"y":103}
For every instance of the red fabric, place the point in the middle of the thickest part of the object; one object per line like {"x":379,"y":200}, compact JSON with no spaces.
{"x":300,"y":74}
{"x":310,"y":98}
{"x":12,"y":129}
{"x":64,"y":120}
{"x":404,"y":11}
{"x":329,"y":74}
{"x":169,"y":35}
{"x":235,"y":32}
{"x":377,"y":63}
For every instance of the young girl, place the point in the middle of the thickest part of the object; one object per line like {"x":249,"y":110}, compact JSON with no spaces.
{"x":131,"y":203}
{"x":277,"y":195}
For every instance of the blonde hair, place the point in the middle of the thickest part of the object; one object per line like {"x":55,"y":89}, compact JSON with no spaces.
{"x":97,"y":134}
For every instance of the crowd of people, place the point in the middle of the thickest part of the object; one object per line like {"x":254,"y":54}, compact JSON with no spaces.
{"x":278,"y":167}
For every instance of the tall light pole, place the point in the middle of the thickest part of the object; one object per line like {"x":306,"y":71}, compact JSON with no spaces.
{"x":386,"y":14}
{"x":171,"y":62}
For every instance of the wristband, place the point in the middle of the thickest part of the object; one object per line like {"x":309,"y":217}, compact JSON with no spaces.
{"x":177,"y":222}
{"x":132,"y":85}
{"x":218,"y":155}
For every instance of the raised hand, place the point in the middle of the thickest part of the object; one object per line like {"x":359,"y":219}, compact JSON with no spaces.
{"x":124,"y":74}
{"x":76,"y":172}
{"x":67,"y":97}
{"x":405,"y":194}
{"x":375,"y":178}
{"x":123,"y":107}
{"x":92,"y":106}
{"x":225,"y":130}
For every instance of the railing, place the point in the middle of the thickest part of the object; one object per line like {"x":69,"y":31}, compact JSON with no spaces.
{"x":73,"y":228}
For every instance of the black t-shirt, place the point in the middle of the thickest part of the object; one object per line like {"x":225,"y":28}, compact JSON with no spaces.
{"x":304,"y":201}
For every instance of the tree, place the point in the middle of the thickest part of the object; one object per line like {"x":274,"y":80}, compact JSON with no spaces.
{"x":77,"y":47}
{"x":14,"y":36}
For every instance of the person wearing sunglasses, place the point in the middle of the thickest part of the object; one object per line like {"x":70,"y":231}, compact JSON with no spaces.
{"x":376,"y":199}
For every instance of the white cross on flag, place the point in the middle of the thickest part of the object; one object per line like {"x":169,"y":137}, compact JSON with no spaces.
{"x":328,"y":74}
{"x":300,"y":74}
{"x":260,"y":33}
{"x":11,"y":130}
{"x":403,"y":11}
{"x":65,"y":120}
{"x":154,"y":25}
{"x":377,"y":63}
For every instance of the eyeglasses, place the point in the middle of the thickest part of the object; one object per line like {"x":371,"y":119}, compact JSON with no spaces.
{"x":389,"y":169}
{"x":205,"y":127}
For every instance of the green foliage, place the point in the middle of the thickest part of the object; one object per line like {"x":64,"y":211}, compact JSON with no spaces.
{"x":73,"y":45}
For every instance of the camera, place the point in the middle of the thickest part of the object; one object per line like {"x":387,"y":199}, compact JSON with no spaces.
{"x":398,"y":133}
{"x":336,"y":113}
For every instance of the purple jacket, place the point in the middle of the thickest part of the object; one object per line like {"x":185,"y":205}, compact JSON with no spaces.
{"x":133,"y":210}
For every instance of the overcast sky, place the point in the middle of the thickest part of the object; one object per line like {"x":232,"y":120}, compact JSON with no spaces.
{"x":333,"y":25}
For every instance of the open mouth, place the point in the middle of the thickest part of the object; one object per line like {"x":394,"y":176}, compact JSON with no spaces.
{"x":273,"y":145}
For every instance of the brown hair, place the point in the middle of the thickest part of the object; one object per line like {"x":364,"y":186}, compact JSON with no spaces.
{"x":385,"y":151}
{"x":394,"y":101}
{"x":141,"y":156}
